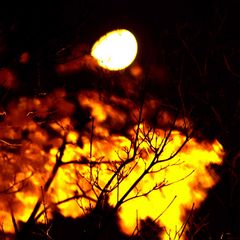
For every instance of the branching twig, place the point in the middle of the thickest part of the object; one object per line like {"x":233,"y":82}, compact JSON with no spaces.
{"x":58,"y":163}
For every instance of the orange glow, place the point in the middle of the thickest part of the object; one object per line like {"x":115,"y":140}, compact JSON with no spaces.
{"x":76,"y":65}
{"x":116,"y":50}
{"x":24,"y":58}
{"x":136,"y":71}
{"x":177,"y":181}
{"x":7,"y":78}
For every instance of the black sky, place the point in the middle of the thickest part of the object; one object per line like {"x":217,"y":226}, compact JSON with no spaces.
{"x":200,"y":37}
{"x":209,"y":30}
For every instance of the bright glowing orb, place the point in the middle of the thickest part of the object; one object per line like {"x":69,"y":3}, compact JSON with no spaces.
{"x":116,"y":50}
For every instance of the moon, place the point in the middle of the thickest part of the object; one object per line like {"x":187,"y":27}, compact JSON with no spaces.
{"x":116,"y":50}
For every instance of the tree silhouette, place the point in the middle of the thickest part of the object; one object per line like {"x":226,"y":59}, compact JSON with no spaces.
{"x":52,"y":122}
{"x":43,"y":139}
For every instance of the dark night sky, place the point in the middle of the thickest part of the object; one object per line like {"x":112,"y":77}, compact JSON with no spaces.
{"x":210,"y":28}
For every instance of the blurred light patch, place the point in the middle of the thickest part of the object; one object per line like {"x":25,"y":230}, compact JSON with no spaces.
{"x":7,"y":78}
{"x":116,"y":50}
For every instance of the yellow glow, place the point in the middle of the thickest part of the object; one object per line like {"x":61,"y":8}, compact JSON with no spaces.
{"x":186,"y":176}
{"x":116,"y":50}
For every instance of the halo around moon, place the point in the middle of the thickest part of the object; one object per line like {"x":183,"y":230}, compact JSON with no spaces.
{"x":116,"y":50}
